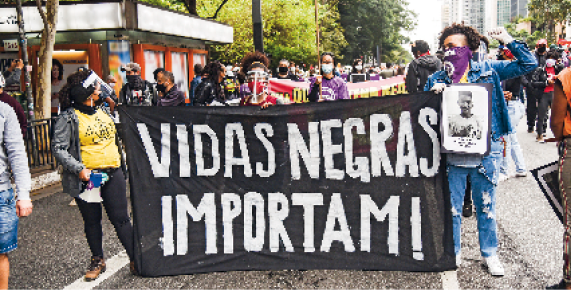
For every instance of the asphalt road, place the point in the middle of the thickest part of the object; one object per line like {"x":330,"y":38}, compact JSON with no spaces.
{"x":53,"y":252}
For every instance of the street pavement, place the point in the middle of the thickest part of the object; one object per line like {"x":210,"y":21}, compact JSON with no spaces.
{"x":53,"y":253}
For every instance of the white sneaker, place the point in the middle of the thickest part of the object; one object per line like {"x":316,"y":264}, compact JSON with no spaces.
{"x":503,"y":177}
{"x":458,"y":260}
{"x":494,"y":266}
{"x":521,"y":174}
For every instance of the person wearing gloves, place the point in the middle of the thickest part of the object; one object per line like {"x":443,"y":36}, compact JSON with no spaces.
{"x":12,"y":156}
{"x":85,"y":143}
{"x":332,"y":87}
{"x":459,"y":42}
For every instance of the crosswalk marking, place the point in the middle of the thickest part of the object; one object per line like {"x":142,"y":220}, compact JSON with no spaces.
{"x":449,"y":280}
{"x":113,"y":265}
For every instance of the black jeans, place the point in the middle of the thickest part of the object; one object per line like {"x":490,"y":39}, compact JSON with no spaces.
{"x":114,"y":198}
{"x":544,"y":104}
{"x":531,"y":109}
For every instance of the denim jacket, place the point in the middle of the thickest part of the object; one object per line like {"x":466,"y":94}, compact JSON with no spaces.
{"x":491,"y":71}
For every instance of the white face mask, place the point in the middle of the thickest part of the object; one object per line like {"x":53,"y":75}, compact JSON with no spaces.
{"x":112,"y":85}
{"x":292,"y":69}
{"x":359,"y":67}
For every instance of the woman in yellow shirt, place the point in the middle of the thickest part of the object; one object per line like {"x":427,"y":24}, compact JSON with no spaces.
{"x":84,"y":143}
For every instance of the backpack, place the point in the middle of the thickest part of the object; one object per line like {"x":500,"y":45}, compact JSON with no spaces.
{"x":538,"y":78}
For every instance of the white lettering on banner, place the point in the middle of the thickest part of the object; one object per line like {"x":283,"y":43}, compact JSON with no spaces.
{"x":236,"y":129}
{"x":167,"y":241}
{"x":406,"y":139}
{"x":198,"y":130}
{"x":160,"y":168}
{"x":231,"y":208}
{"x":278,"y":211}
{"x":308,"y":201}
{"x":362,"y":163}
{"x":206,"y":209}
{"x":254,"y":200}
{"x":391,"y":209}
{"x":297,"y":147}
{"x":183,"y":150}
{"x":433,"y":117}
{"x":336,"y":214}
{"x":379,"y":155}
{"x":330,"y":149}
{"x":259,"y":129}
{"x":415,"y":221}
{"x":362,"y":167}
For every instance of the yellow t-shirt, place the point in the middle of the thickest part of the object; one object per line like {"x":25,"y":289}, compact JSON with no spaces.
{"x":97,"y":140}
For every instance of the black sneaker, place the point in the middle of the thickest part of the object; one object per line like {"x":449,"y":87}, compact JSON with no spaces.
{"x":467,"y":210}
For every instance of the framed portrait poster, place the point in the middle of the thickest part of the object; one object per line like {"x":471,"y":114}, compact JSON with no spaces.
{"x":466,"y":118}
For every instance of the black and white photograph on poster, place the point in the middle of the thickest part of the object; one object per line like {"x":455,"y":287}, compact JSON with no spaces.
{"x":466,"y":114}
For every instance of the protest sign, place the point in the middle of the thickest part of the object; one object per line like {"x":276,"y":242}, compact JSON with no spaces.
{"x":297,"y":91}
{"x":351,"y":184}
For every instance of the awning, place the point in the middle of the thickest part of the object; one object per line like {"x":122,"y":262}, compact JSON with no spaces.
{"x":129,"y":15}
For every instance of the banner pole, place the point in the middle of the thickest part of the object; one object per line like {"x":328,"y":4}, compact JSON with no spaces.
{"x":317,"y":41}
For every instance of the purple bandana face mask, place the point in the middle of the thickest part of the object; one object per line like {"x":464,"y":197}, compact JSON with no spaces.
{"x":456,"y":61}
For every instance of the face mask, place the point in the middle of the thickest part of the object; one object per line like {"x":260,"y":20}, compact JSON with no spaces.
{"x":541,"y":49}
{"x":456,"y":61}
{"x":550,"y":63}
{"x":282,"y":70}
{"x":133,"y":78}
{"x":161,"y":88}
{"x":256,"y":87}
{"x":327,"y":68}
{"x":292,"y":69}
{"x":112,"y":85}
{"x":359,"y":67}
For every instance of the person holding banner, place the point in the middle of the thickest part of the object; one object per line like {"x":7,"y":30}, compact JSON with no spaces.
{"x":459,"y":42}
{"x":332,"y":87}
{"x":257,"y":80}
{"x":560,"y":124}
{"x":85,"y":144}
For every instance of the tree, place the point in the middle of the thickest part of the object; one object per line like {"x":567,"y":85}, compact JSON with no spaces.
{"x":44,"y":84}
{"x":548,"y":13}
{"x":372,"y":23}
{"x":289,"y":29}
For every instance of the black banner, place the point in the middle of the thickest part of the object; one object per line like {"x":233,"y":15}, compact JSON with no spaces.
{"x":355,"y":184}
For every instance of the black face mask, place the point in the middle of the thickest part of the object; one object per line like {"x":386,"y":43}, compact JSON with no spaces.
{"x":161,"y":88}
{"x":282,"y":70}
{"x":541,"y":49}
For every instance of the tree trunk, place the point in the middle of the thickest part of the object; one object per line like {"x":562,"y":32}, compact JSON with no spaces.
{"x":44,"y":83}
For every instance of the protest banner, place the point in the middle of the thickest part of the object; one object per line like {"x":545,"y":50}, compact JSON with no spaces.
{"x":297,"y":91}
{"x":351,"y":184}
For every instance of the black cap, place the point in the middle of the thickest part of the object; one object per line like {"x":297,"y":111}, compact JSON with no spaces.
{"x":79,"y":94}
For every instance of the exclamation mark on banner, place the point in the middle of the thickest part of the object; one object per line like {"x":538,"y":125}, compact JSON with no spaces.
{"x":416,"y":230}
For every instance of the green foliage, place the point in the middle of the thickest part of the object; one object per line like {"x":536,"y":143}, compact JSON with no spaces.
{"x":369,"y":23}
{"x":289,"y":29}
{"x":548,"y":13}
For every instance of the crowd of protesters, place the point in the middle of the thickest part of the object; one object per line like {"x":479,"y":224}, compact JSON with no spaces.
{"x":539,"y":78}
